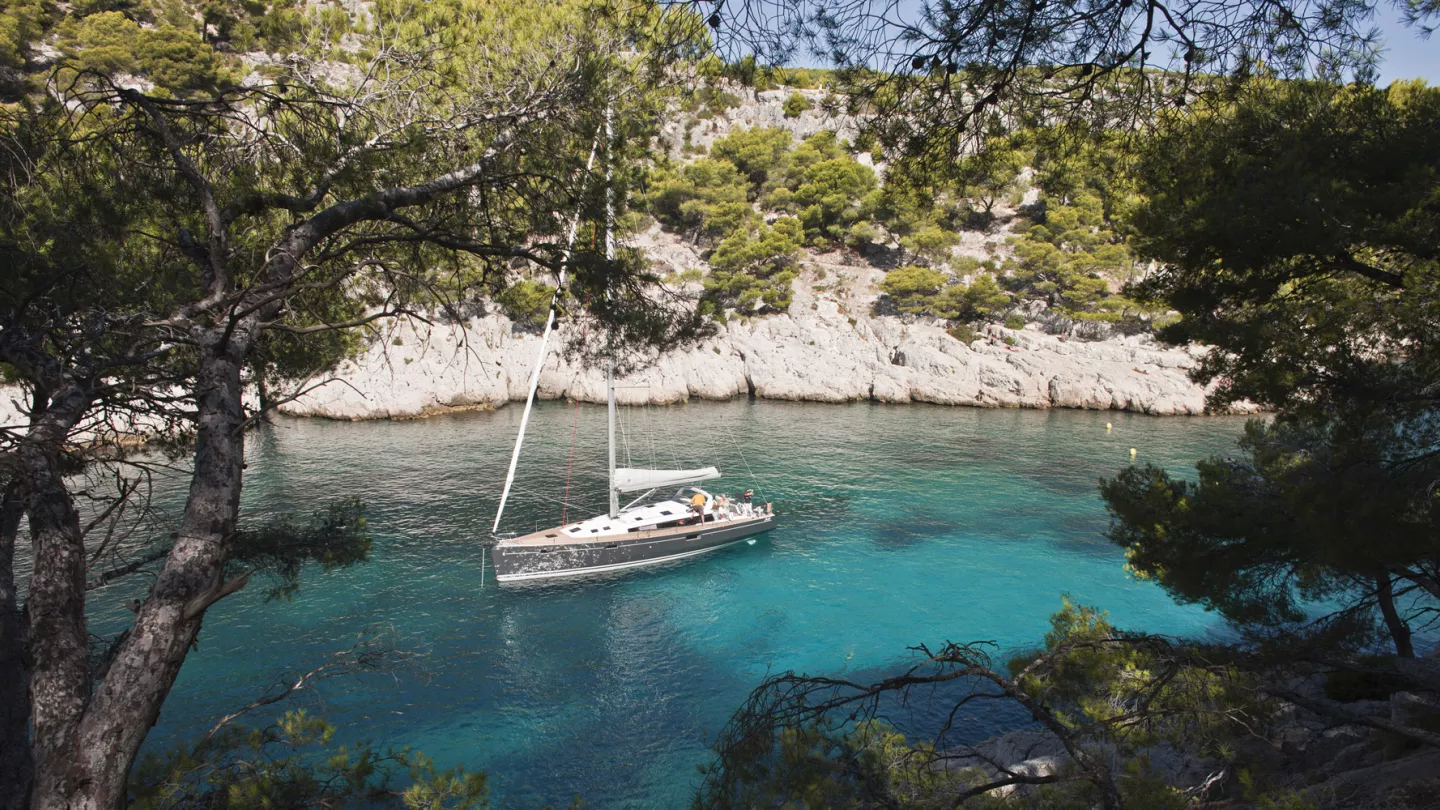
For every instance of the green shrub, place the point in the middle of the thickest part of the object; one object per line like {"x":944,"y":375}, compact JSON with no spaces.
{"x":760,"y":154}
{"x":963,"y":332}
{"x":797,"y":103}
{"x":930,"y":241}
{"x":913,"y":288}
{"x":526,"y":302}
{"x":176,"y":59}
{"x":831,"y":190}
{"x":708,"y":101}
{"x":21,"y":23}
{"x":982,"y":299}
{"x":1014,"y":321}
{"x":755,"y":265}
{"x":708,"y":197}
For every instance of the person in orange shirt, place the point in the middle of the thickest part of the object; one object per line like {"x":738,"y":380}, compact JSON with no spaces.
{"x":697,"y":502}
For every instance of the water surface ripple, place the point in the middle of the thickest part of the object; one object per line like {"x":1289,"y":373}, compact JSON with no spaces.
{"x":899,"y":525}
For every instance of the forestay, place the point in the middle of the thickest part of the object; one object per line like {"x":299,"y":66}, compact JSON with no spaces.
{"x":637,"y":480}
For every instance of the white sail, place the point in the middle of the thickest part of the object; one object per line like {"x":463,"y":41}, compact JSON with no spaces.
{"x":633,"y":480}
{"x":540,"y":355}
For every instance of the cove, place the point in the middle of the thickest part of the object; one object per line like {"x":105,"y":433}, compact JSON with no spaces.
{"x":899,"y":525}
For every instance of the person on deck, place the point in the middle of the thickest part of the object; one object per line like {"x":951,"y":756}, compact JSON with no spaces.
{"x":745,"y":499}
{"x":697,"y":502}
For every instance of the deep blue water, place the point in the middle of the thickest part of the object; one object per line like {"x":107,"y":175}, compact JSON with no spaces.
{"x":899,"y":525}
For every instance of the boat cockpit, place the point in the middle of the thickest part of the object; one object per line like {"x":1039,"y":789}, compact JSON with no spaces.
{"x":689,"y":505}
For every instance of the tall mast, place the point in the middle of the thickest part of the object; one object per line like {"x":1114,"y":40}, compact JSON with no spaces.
{"x":540,"y":355}
{"x":609,"y":333}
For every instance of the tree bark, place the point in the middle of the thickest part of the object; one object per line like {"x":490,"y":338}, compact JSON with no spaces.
{"x":88,"y":749}
{"x":128,"y":701}
{"x":55,"y":603}
{"x":1399,"y":629}
{"x":16,"y":762}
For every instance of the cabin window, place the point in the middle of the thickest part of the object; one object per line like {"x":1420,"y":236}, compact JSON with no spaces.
{"x":665,"y":512}
{"x":552,"y":534}
{"x":612,"y":545}
{"x":691,"y":536}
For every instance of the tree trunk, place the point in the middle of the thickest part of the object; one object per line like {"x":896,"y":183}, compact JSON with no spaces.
{"x":262,"y":392}
{"x":146,"y":666}
{"x":55,"y":603}
{"x":1399,"y":629}
{"x":15,"y":758}
{"x":128,"y":701}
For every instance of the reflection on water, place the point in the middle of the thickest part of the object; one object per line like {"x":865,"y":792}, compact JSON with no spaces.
{"x":899,"y":525}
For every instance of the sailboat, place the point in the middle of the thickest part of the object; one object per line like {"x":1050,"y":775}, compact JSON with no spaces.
{"x":684,"y":522}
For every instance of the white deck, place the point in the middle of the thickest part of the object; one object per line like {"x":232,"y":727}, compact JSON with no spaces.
{"x":642,"y":518}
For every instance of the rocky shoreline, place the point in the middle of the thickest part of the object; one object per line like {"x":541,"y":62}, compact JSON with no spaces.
{"x":816,"y":353}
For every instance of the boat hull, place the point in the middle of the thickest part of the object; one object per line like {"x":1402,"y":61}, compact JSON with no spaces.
{"x":515,"y":562}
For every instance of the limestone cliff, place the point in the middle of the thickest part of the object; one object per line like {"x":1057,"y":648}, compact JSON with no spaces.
{"x":829,"y":347}
{"x":815,"y":353}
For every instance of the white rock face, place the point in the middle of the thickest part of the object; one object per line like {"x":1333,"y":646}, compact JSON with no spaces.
{"x":763,"y":109}
{"x":816,"y":353}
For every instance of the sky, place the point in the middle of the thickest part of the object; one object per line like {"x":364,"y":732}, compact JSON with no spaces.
{"x":1406,"y":55}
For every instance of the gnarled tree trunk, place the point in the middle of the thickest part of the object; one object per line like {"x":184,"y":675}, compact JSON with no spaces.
{"x":127,"y":703}
{"x":16,"y":762}
{"x":1399,"y":629}
{"x":55,"y":606}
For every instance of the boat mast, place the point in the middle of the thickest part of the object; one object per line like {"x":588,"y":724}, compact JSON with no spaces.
{"x":540,"y":355}
{"x":609,"y":333}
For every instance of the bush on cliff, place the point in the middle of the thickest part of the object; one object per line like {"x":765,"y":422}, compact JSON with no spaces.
{"x":924,"y":291}
{"x":912,"y":288}
{"x":829,"y":190}
{"x":526,"y":302}
{"x":760,"y":154}
{"x":796,"y":104}
{"x":981,"y":299}
{"x":706,"y":198}
{"x":1065,"y":257}
{"x":755,"y":265}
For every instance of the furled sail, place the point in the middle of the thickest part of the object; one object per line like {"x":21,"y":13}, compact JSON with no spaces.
{"x":630,"y":480}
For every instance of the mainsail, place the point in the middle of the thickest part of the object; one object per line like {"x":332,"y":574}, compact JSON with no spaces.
{"x":544,"y":344}
{"x":638,"y":480}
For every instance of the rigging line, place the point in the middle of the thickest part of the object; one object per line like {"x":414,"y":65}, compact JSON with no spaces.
{"x":574,"y":431}
{"x":650,"y":431}
{"x":544,"y":341}
{"x":629,"y":428}
{"x":749,"y":471}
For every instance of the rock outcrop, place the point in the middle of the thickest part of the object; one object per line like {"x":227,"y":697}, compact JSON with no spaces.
{"x":1327,"y":763}
{"x":816,"y":353}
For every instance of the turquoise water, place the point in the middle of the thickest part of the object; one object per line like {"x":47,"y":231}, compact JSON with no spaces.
{"x":899,"y":525}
